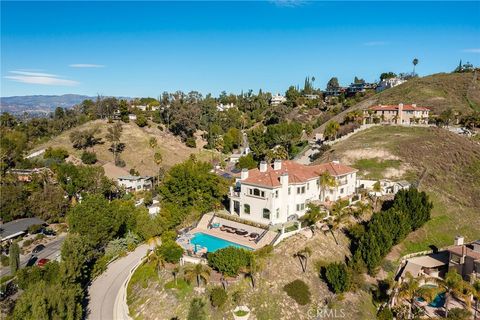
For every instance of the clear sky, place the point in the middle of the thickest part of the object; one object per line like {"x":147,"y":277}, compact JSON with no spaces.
{"x":144,"y":48}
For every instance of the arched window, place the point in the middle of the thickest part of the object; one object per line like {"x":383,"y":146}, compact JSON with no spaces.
{"x":256,"y":192}
{"x":266,"y":214}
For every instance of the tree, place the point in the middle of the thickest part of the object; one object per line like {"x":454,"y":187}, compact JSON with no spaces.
{"x":89,"y":157}
{"x":338,"y":277}
{"x":49,"y":203}
{"x":198,"y":272}
{"x":114,"y":133}
{"x":230,"y":260}
{"x":218,"y":297}
{"x":387,"y":75}
{"x":476,"y":296}
{"x":171,"y":251}
{"x":454,"y":286}
{"x":302,"y":256}
{"x":197,"y":310}
{"x":84,"y":139}
{"x":77,"y":255}
{"x":141,"y":120}
{"x":247,"y":162}
{"x":57,"y":154}
{"x":327,"y":181}
{"x":156,"y":259}
{"x":409,"y":291}
{"x":414,"y":62}
{"x":331,"y":130}
{"x":14,"y":253}
{"x":333,"y":84}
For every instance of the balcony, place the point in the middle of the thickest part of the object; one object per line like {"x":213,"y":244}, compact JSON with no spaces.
{"x":342,"y":182}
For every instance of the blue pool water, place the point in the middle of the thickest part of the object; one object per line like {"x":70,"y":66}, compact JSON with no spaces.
{"x":213,"y":243}
{"x":439,"y":300}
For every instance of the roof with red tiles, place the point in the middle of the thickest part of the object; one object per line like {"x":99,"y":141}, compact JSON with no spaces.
{"x":406,"y":107}
{"x":297,"y":173}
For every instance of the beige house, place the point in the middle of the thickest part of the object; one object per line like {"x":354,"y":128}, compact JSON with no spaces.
{"x":398,"y":114}
{"x":465,"y":259}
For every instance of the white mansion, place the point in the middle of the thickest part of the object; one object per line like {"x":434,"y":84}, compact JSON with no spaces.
{"x":280,"y":193}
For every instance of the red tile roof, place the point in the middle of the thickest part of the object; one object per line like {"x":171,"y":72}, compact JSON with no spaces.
{"x":406,"y":107}
{"x":297,"y":173}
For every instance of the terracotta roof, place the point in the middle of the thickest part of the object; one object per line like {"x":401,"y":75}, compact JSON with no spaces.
{"x":297,"y":173}
{"x":406,"y":107}
{"x":458,"y":250}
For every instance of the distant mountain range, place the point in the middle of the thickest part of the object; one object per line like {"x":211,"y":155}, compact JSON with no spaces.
{"x":39,"y":104}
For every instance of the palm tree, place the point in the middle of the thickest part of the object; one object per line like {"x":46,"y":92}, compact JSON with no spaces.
{"x":454,"y":286}
{"x":336,"y":220}
{"x":302,"y":256}
{"x":113,"y":136}
{"x":175,"y":272}
{"x":415,"y":62}
{"x":331,"y":129}
{"x":327,"y":181}
{"x":156,"y":259}
{"x":409,"y":290}
{"x":197,"y":271}
{"x":252,"y":268}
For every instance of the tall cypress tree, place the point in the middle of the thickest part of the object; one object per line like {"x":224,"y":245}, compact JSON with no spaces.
{"x":14,"y":258}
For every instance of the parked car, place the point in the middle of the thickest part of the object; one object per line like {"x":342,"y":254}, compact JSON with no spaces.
{"x":38,"y":248}
{"x":48,"y":232}
{"x":42,"y":262}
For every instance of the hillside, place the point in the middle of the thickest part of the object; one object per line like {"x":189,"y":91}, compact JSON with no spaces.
{"x":459,"y":91}
{"x":137,"y":154}
{"x":452,"y":177}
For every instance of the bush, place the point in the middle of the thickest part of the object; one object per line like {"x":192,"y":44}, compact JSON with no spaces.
{"x":218,"y":297}
{"x":171,"y":251}
{"x":141,"y":120}
{"x":39,"y":236}
{"x":120,"y":163}
{"x":27,"y":242}
{"x":337,"y":276}
{"x":385,"y":314}
{"x":4,"y":260}
{"x":89,"y":157}
{"x":36,"y":228}
{"x":458,"y":314}
{"x":190,"y":142}
{"x":197,"y":310}
{"x":299,"y":291}
{"x":230,"y":260}
{"x":169,"y":235}
{"x":55,"y":154}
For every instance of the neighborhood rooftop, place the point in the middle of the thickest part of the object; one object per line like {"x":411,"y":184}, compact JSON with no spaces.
{"x":405,"y":107}
{"x":297,"y":173}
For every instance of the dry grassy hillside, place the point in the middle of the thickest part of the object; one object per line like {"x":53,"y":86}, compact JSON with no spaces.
{"x":452,"y":177}
{"x":460,"y":91}
{"x":137,"y":154}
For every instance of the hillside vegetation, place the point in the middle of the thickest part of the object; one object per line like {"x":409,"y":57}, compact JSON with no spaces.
{"x":138,"y":153}
{"x":451,"y":179}
{"x":459,"y":91}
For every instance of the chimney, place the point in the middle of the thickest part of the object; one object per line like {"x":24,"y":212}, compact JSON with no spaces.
{"x":414,"y":105}
{"x":277,"y":164}
{"x":284,"y":179}
{"x":400,"y":106}
{"x":263,"y":166}
{"x":244,"y":174}
{"x":459,"y":241}
{"x":336,"y":162}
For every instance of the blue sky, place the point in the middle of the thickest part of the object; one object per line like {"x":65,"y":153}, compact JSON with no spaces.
{"x":145,"y":48}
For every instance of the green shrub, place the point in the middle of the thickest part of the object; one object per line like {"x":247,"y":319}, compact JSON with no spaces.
{"x":169,"y":235}
{"x":459,"y":314}
{"x":171,"y":251}
{"x":89,"y":157}
{"x":39,"y":236}
{"x":298,"y":291}
{"x":385,"y":314}
{"x":27,"y":242}
{"x":230,"y":260}
{"x":218,"y":297}
{"x":4,"y":260}
{"x":58,"y":154}
{"x":197,"y":310}
{"x":190,"y":142}
{"x":36,"y":228}
{"x":337,"y":276}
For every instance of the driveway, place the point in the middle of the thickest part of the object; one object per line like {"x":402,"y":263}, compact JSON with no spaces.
{"x":104,"y":289}
{"x":51,"y":252}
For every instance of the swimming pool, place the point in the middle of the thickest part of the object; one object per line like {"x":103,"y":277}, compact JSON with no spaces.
{"x":439,"y":300}
{"x":213,"y":243}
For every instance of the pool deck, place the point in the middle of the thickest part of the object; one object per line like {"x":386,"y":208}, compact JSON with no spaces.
{"x":202,"y":227}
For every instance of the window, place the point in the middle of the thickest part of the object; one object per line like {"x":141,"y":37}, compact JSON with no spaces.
{"x":289,"y":190}
{"x":246,"y":208}
{"x":278,"y":213}
{"x":300,"y":206}
{"x":257,"y":193}
{"x":266,"y":214}
{"x":308,"y":186}
{"x":300,"y":190}
{"x":276,"y":193}
{"x":341,"y":190}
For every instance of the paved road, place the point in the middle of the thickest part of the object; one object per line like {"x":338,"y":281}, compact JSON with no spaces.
{"x":105,"y":288}
{"x":51,"y":252}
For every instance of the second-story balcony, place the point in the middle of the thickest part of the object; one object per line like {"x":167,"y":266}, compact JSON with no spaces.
{"x":235,"y":192}
{"x":342,"y":182}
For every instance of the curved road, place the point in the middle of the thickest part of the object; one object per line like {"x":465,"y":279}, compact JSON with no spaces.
{"x":104,"y":289}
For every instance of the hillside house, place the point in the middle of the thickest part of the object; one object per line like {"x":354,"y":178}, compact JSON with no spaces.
{"x":465,"y":259}
{"x":397,"y":114}
{"x":135,"y":183}
{"x":389,"y":83}
{"x":280,"y":192}
{"x":277,"y":100}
